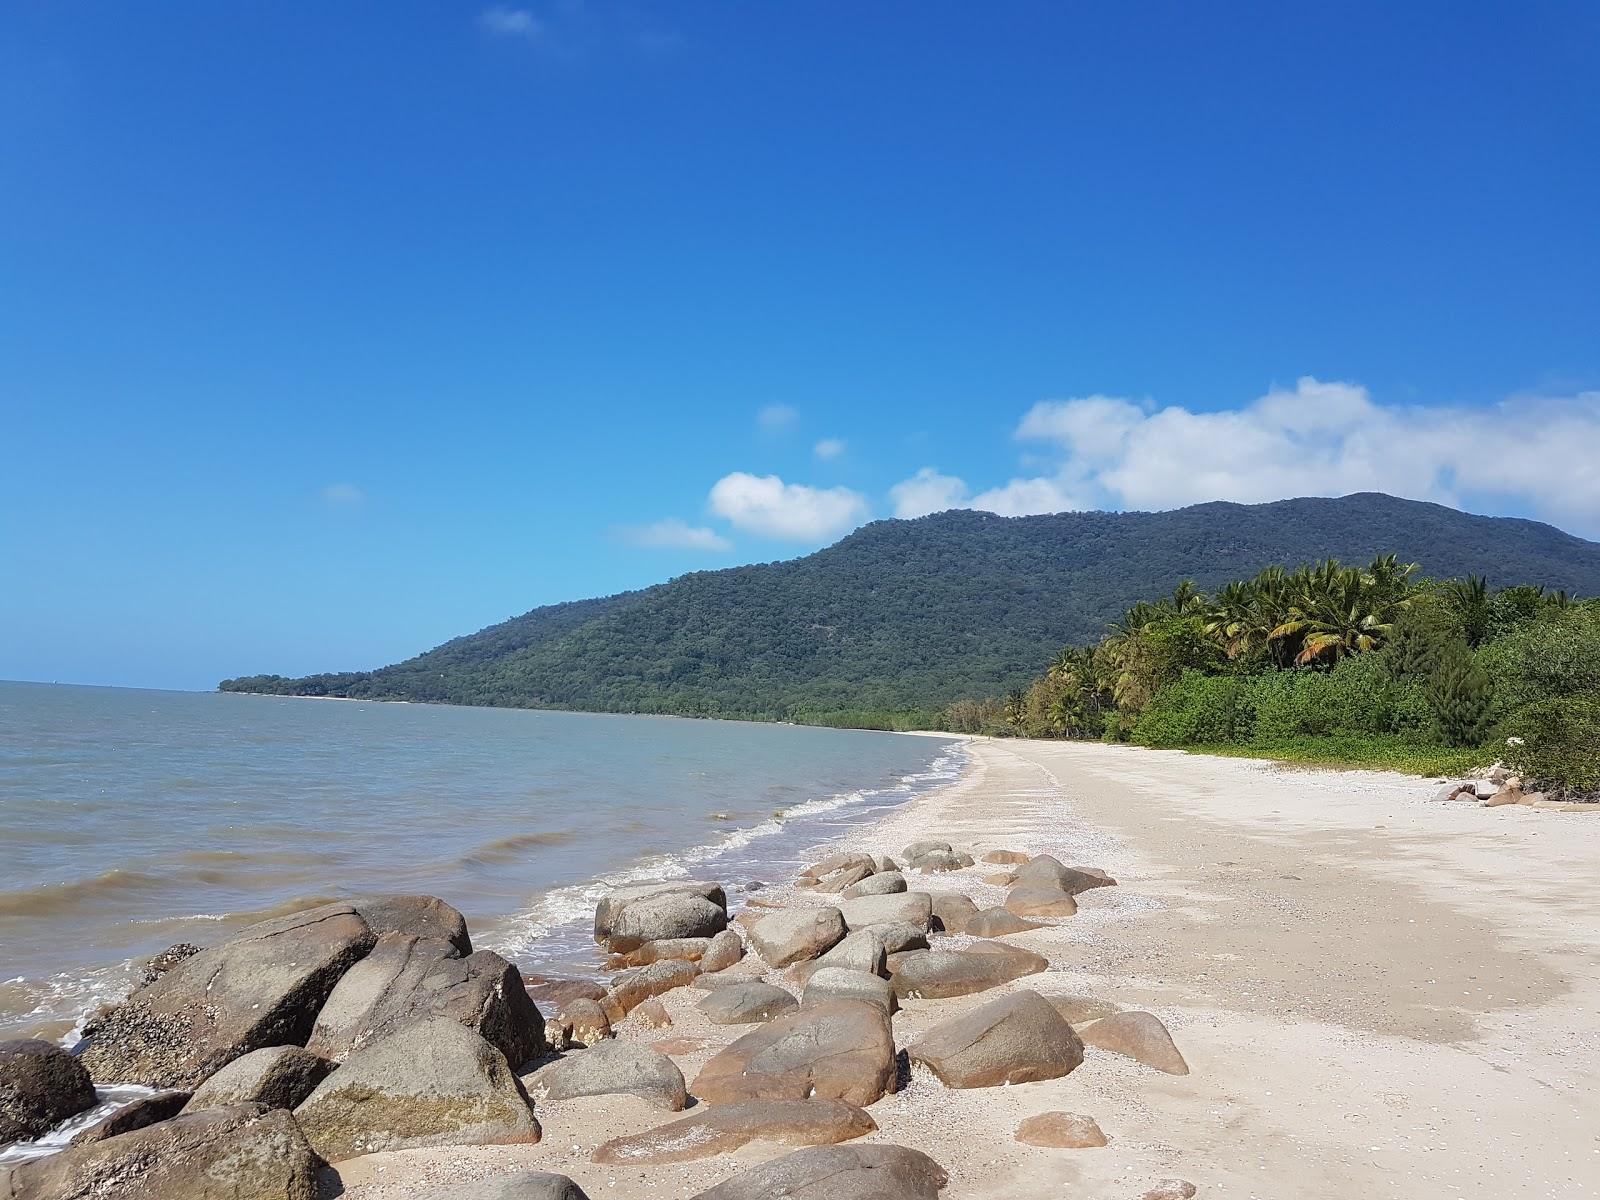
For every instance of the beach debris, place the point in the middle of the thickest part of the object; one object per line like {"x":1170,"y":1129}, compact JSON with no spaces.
{"x":997,"y":922}
{"x":914,"y":908}
{"x":1039,"y":900}
{"x":884,"y":883}
{"x":842,"y":983}
{"x":723,"y":1128}
{"x":1139,"y":1035}
{"x":842,"y":1049}
{"x":628,"y":917}
{"x":838,"y":1173}
{"x":725,"y":949}
{"x":794,"y":935}
{"x":238,"y":1150}
{"x":41,"y":1085}
{"x":1019,"y":1038}
{"x":748,"y":1003}
{"x":262,"y":987}
{"x":953,"y":912}
{"x":405,"y":978}
{"x":1061,"y":1131}
{"x":938,"y":974}
{"x":612,"y":1068}
{"x":277,"y":1076}
{"x":417,"y":915}
{"x":433,"y":1083}
{"x":1171,"y":1189}
{"x":632,"y":988}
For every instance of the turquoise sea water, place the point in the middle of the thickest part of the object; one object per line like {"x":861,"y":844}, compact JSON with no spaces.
{"x":130,"y":820}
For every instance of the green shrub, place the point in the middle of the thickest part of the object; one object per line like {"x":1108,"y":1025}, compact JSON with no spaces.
{"x":1555,"y":654}
{"x":1560,"y":749}
{"x":1462,"y":697}
{"x":1198,"y":710}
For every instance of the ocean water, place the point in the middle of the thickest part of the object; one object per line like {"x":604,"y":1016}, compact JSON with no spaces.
{"x":130,"y":820}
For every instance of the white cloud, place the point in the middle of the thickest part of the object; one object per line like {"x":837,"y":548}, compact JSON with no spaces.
{"x":777,"y":418}
{"x":766,"y":505}
{"x":828,"y":448}
{"x":1316,"y":439}
{"x":673,"y":534}
{"x":928,"y":492}
{"x":344,"y":494}
{"x":511,"y":22}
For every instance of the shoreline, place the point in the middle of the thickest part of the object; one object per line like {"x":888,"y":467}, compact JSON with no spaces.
{"x":1377,"y":994}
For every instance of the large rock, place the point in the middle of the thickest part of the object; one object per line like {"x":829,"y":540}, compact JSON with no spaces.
{"x":1006,"y":858}
{"x":953,"y":912}
{"x":1077,"y":1010}
{"x":1035,"y":900}
{"x":1061,"y":1131}
{"x":997,"y":922}
{"x":917,"y":849}
{"x":689,"y":949}
{"x":612,"y":1069}
{"x":841,"y":1050}
{"x":837,"y":1173}
{"x":263,"y":987}
{"x":913,"y":908}
{"x":844,"y":878}
{"x":863,"y":950}
{"x":648,"y":912}
{"x":724,"y":1128}
{"x":835,"y":863}
{"x":900,"y":936}
{"x":1139,"y":1035}
{"x":41,"y":1085}
{"x":747,"y":1003}
{"x":523,"y":1185}
{"x":1047,"y":871}
{"x":839,"y":983}
{"x":936,"y":862}
{"x":726,"y":949}
{"x":1015,"y":1039}
{"x":418,"y":916}
{"x":782,"y":938}
{"x":938,"y":974}
{"x":633,"y":988}
{"x":587,"y":1022}
{"x":241,"y":1152}
{"x":406,"y":978}
{"x":136,"y":1114}
{"x":885,"y":883}
{"x":433,"y":1083}
{"x":553,"y":995}
{"x":279,"y":1077}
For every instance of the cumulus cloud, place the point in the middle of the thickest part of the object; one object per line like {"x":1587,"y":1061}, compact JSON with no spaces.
{"x":343,"y":494}
{"x":673,"y":534}
{"x":766,"y":505}
{"x":510,"y":22}
{"x":1316,"y":438}
{"x":928,"y":492}
{"x":777,"y":418}
{"x":828,"y":448}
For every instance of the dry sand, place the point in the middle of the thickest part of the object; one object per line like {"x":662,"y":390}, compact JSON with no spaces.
{"x":1378,"y":995}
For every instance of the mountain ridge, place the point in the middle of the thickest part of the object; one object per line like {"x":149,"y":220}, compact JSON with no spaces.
{"x":903,"y":614}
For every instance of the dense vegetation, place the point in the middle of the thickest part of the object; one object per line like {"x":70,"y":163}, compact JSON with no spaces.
{"x":902,"y":618}
{"x":1336,"y":664}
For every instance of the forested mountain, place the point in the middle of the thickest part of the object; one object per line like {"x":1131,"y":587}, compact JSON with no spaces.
{"x":914,"y":614}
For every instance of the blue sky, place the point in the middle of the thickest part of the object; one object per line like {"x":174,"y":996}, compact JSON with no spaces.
{"x":330,"y":331}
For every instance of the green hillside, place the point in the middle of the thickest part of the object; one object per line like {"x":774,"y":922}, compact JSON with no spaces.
{"x":914,"y":614}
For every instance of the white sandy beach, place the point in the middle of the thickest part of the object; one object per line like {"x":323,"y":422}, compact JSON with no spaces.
{"x":1378,"y":995}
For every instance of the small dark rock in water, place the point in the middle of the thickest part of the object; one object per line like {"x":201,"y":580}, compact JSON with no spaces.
{"x":147,"y":1110}
{"x":165,"y":961}
{"x":755,"y":885}
{"x":41,"y":1085}
{"x":243,"y":1150}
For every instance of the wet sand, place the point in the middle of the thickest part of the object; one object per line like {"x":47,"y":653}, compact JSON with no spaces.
{"x":1378,"y":995}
